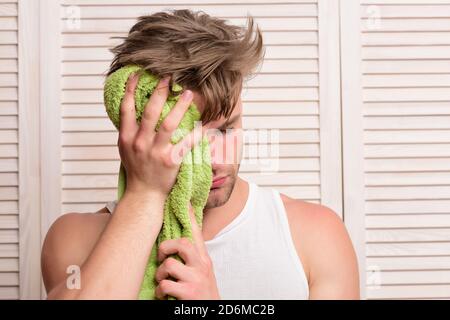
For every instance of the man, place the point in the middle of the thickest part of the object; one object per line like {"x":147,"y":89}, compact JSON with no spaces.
{"x":254,"y":243}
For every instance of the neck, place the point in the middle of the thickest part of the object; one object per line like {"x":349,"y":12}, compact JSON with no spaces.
{"x":215,"y":219}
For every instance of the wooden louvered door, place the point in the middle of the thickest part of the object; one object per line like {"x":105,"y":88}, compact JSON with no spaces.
{"x":396,"y":75}
{"x":358,"y":92}
{"x":295,"y":92}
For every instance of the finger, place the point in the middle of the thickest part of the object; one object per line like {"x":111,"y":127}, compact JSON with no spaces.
{"x":154,"y":106}
{"x":171,"y":288}
{"x":197,"y":235}
{"x":174,"y":268}
{"x":128,"y":125}
{"x":186,"y":144}
{"x":171,"y":122}
{"x":182,"y":246}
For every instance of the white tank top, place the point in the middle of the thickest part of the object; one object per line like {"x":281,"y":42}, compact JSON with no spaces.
{"x":254,"y":256}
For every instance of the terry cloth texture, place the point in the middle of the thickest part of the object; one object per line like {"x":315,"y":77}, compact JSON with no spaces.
{"x":195,"y":175}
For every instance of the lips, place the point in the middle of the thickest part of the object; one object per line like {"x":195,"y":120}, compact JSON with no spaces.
{"x":217,"y":182}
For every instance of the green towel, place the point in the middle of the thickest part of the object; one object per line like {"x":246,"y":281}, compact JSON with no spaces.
{"x":195,"y":175}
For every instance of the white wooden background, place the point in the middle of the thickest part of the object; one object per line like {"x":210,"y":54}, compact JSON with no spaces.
{"x":359,"y":91}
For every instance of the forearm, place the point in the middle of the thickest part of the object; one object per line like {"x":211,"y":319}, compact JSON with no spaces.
{"x":116,"y":266}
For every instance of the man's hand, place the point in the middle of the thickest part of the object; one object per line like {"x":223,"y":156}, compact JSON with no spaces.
{"x":151,"y":161}
{"x":196,"y":279}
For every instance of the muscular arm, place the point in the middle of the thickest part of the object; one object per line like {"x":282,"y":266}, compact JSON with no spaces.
{"x":333,"y":263}
{"x":325,"y":249}
{"x":114,"y":268}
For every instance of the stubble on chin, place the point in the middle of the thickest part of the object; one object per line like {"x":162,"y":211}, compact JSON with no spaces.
{"x":218,"y":197}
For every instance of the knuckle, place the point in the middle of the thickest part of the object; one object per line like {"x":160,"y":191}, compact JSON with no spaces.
{"x":169,"y":263}
{"x":129,"y":90}
{"x":139,"y":146}
{"x":162,"y":89}
{"x":168,"y":125}
{"x":185,"y":242}
{"x":164,"y":285}
{"x":124,"y":139}
{"x":125,"y":107}
{"x":166,"y":159}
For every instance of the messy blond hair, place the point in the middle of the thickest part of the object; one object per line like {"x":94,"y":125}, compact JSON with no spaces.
{"x":199,"y":52}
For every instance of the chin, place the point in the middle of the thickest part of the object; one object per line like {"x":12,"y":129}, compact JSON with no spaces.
{"x":219,"y":196}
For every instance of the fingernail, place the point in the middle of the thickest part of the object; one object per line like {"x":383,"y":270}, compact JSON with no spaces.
{"x":165,"y":80}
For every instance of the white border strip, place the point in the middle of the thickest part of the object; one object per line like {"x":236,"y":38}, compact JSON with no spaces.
{"x":29,"y":149}
{"x":330,"y":106}
{"x":352,"y":132}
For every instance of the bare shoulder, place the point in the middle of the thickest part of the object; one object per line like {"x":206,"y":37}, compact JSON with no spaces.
{"x":312,"y":217}
{"x":321,"y":239}
{"x":69,"y":241}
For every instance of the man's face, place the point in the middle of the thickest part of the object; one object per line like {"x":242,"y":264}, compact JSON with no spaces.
{"x":225,"y":136}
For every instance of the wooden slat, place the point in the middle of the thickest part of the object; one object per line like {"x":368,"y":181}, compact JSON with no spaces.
{"x":414,"y":24}
{"x":9,"y":278}
{"x":9,"y":236}
{"x":102,"y":54}
{"x":249,"y":108}
{"x":408,"y":249}
{"x":9,"y":250}
{"x":411,"y":206}
{"x":405,"y":66}
{"x":409,"y":221}
{"x":409,"y":277}
{"x":8,"y":23}
{"x":407,"y":122}
{"x":9,"y":207}
{"x":8,"y":165}
{"x":408,"y":263}
{"x":405,"y":165}
{"x":407,"y":136}
{"x":9,"y":293}
{"x":9,"y":264}
{"x":8,"y":136}
{"x":406,"y":94}
{"x":412,"y":11}
{"x":8,"y":150}
{"x":405,"y":38}
{"x":429,"y":108}
{"x":112,"y":167}
{"x":112,"y":153}
{"x":268,"y":66}
{"x":110,"y":181}
{"x":111,"y":39}
{"x":123,"y":25}
{"x":8,"y":65}
{"x":251,"y":94}
{"x":8,"y":108}
{"x":409,"y":291}
{"x":8,"y":37}
{"x":407,"y":235}
{"x":224,"y":11}
{"x":9,"y":222}
{"x":411,"y":81}
{"x":141,"y":2}
{"x":407,"y":192}
{"x":110,"y":138}
{"x":261,"y":80}
{"x":408,"y":2}
{"x":251,"y":122}
{"x":408,"y":151}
